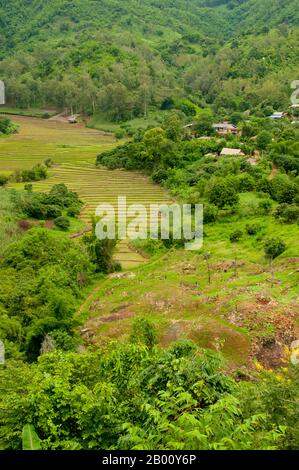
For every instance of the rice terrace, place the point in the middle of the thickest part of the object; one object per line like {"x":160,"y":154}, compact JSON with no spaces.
{"x":73,"y":149}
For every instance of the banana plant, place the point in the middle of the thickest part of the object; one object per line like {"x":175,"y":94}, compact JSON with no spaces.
{"x":30,"y":439}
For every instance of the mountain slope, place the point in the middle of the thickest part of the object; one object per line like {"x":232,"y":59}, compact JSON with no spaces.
{"x":100,"y":55}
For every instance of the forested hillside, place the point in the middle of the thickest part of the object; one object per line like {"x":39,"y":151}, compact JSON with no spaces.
{"x":121,"y":58}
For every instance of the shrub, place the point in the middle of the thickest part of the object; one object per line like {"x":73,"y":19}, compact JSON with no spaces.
{"x":223,"y":194}
{"x":62,"y":223}
{"x":3,"y":180}
{"x":253,"y":229}
{"x":101,"y":253}
{"x":64,"y":340}
{"x":187,"y":107}
{"x":283,"y":189}
{"x":265,"y":206}
{"x":28,"y":187}
{"x":34,"y":208}
{"x":73,"y":211}
{"x":160,"y":175}
{"x":120,"y":134}
{"x":7,"y":127}
{"x":263,"y":140}
{"x":51,"y":211}
{"x":167,"y":103}
{"x":287,"y":213}
{"x":210,"y":213}
{"x":143,"y":331}
{"x":274,"y":247}
{"x":36,"y":173}
{"x":48,"y":162}
{"x":246,"y":183}
{"x":236,"y":236}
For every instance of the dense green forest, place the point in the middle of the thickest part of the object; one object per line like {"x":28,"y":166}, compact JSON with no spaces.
{"x":121,"y":59}
{"x":190,"y":350}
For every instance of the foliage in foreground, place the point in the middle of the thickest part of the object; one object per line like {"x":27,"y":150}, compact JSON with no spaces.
{"x":132,"y":397}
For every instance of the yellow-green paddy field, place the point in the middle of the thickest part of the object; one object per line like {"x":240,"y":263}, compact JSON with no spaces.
{"x":73,"y":148}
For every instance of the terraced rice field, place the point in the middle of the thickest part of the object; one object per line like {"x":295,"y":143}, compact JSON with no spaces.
{"x":74,"y":148}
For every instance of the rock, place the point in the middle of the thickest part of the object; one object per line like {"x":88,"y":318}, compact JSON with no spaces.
{"x":126,"y":275}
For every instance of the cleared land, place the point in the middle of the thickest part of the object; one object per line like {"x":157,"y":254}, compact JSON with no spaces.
{"x":74,"y":148}
{"x":249,"y":309}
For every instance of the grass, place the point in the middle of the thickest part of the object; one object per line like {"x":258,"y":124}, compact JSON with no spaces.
{"x":29,"y":112}
{"x":153,"y":118}
{"x":241,"y":313}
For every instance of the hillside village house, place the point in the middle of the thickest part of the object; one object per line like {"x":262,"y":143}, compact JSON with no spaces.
{"x":224,"y":128}
{"x":278,"y":115}
{"x":233,"y":152}
{"x":73,"y":119}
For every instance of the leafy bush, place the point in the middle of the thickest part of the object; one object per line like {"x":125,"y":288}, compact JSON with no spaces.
{"x":223,"y":194}
{"x":236,"y":236}
{"x":62,"y":223}
{"x":28,"y":187}
{"x":274,"y":247}
{"x":49,"y":205}
{"x":101,"y":253}
{"x":44,"y":270}
{"x":73,"y":211}
{"x":120,"y":134}
{"x":48,"y":162}
{"x":210,"y":213}
{"x":3,"y":180}
{"x":287,"y":213}
{"x":283,"y":189}
{"x":182,"y":399}
{"x":253,"y":229}
{"x":187,"y":107}
{"x":245,"y":183}
{"x":7,"y":127}
{"x":263,"y":140}
{"x":144,"y":332}
{"x":37,"y":173}
{"x":265,"y":206}
{"x":160,"y":175}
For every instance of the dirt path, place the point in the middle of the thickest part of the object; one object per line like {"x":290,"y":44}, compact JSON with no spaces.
{"x":82,"y":232}
{"x":61,"y":117}
{"x":89,"y":298}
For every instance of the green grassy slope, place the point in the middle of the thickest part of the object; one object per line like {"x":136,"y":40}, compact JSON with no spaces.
{"x":246,"y":311}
